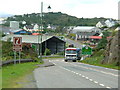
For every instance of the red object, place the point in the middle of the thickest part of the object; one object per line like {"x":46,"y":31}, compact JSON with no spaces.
{"x":35,"y":34}
{"x":109,"y":37}
{"x":95,"y":37}
{"x":17,"y":43}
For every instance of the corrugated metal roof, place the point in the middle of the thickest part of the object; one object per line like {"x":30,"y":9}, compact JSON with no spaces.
{"x":83,"y":29}
{"x":95,"y":37}
{"x":28,"y":38}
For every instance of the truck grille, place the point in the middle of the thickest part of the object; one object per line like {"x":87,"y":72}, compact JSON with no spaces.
{"x":70,"y":55}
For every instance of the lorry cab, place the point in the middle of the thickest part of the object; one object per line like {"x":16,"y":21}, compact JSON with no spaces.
{"x":72,"y":54}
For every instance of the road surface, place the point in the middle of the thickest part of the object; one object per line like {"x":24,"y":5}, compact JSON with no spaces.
{"x":75,"y":75}
{"x":76,"y":44}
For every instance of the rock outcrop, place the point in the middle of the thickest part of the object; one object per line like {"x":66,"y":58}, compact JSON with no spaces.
{"x":112,"y":52}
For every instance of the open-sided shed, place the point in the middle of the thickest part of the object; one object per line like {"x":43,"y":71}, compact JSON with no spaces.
{"x":53,"y":43}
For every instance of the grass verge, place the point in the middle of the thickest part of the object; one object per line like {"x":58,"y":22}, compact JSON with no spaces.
{"x":97,"y":58}
{"x":12,"y":74}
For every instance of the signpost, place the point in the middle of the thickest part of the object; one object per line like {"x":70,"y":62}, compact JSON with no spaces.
{"x":86,"y":51}
{"x":17,"y":47}
{"x":17,"y":43}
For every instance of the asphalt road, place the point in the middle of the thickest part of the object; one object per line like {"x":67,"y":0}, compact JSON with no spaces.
{"x":76,"y":44}
{"x":75,"y":75}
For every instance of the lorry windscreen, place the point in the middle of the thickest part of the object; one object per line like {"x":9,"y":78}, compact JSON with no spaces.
{"x":71,"y":51}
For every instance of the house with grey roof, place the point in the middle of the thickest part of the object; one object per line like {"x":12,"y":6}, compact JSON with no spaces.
{"x":101,"y":24}
{"x":84,"y":32}
{"x":85,"y":35}
{"x":110,"y":22}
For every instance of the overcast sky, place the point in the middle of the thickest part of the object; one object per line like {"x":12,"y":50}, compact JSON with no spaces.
{"x":78,"y":8}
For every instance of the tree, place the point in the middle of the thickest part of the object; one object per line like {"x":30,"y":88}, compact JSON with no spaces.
{"x":103,"y":42}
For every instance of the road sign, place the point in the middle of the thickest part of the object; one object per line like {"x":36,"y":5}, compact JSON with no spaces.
{"x":86,"y":51}
{"x":17,"y":43}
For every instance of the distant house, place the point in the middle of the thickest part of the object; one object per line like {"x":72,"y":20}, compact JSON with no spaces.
{"x":107,"y":23}
{"x":101,"y":24}
{"x":36,"y":27}
{"x":70,"y":29}
{"x":95,"y":39}
{"x":84,"y":32}
{"x":28,"y":27}
{"x":20,"y":32}
{"x":52,"y":27}
{"x":117,"y":29}
{"x":14,"y":25}
{"x":110,"y":22}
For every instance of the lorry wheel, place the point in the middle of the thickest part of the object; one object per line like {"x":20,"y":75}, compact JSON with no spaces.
{"x":65,"y":60}
{"x":74,"y":60}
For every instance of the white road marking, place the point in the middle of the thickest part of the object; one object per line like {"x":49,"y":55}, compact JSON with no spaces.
{"x":101,"y":84}
{"x":108,"y":87}
{"x":84,"y":77}
{"x":97,"y":70}
{"x":77,"y":73}
{"x":95,"y":82}
{"x":90,"y":79}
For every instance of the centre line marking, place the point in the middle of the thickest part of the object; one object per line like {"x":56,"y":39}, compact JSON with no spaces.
{"x":101,"y":84}
{"x":86,"y":78}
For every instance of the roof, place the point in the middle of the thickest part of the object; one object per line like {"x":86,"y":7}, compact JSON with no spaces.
{"x":30,"y":38}
{"x":18,"y":30}
{"x":118,"y":28}
{"x":95,"y":37}
{"x":102,"y":22}
{"x":35,"y":33}
{"x":83,"y":28}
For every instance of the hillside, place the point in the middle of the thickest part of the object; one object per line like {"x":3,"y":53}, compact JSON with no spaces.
{"x":54,"y":18}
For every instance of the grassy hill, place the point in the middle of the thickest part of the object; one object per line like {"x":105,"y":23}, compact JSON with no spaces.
{"x":54,"y":18}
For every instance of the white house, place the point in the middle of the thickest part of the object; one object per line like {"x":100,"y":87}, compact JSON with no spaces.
{"x":118,"y":28}
{"x":110,"y":22}
{"x":36,"y":27}
{"x":101,"y":24}
{"x":14,"y":25}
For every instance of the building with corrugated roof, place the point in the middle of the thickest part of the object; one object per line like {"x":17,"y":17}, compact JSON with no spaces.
{"x":53,"y":43}
{"x":20,"y":32}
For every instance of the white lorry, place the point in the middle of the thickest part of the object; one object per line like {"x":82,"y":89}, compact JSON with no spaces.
{"x":72,"y":54}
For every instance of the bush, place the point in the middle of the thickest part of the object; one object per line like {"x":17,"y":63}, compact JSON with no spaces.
{"x":60,"y":53}
{"x":47,"y":52}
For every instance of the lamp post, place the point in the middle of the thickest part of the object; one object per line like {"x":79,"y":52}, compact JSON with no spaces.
{"x":41,"y":28}
{"x":46,"y":32}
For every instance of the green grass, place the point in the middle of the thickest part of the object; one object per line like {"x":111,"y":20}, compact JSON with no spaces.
{"x":0,"y":78}
{"x":12,"y":74}
{"x":53,"y":57}
{"x":97,"y":58}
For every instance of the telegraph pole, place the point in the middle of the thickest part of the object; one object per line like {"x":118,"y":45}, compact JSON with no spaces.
{"x":41,"y":30}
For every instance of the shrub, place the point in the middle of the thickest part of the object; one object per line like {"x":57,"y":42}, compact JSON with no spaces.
{"x":60,"y":53}
{"x":47,"y":52}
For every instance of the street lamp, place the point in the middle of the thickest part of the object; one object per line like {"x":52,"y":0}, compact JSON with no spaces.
{"x":41,"y":28}
{"x":49,"y":7}
{"x":46,"y":32}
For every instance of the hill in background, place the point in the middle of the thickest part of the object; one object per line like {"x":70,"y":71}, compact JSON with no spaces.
{"x":55,"y":18}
